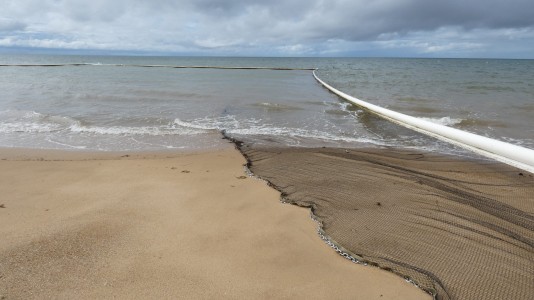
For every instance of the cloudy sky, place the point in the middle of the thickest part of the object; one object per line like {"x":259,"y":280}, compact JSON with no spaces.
{"x":415,"y":28}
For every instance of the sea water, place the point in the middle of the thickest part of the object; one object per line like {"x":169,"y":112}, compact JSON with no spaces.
{"x":112,"y":103}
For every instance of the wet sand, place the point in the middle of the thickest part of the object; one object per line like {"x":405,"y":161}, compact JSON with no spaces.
{"x":461,"y":229}
{"x":189,"y":225}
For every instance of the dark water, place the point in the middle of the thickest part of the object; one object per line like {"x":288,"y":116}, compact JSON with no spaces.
{"x":110,"y":107}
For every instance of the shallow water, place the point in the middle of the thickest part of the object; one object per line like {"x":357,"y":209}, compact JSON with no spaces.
{"x":110,"y":107}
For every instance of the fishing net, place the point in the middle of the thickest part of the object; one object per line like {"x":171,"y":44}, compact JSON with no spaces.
{"x":459,"y":229}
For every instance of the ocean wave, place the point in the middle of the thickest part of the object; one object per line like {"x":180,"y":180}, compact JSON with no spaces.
{"x":16,"y":121}
{"x":302,"y":133}
{"x":12,"y":121}
{"x":255,"y":127}
{"x":129,"y":130}
{"x":207,"y":123}
{"x":31,"y":122}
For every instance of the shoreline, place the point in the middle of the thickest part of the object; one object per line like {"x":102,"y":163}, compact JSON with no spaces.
{"x":164,"y":224}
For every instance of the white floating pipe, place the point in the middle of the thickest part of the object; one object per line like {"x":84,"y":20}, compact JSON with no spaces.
{"x":517,"y":156}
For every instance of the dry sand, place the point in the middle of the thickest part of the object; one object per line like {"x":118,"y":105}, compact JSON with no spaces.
{"x":164,"y":226}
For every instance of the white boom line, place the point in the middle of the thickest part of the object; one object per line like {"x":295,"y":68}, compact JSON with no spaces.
{"x":517,"y":156}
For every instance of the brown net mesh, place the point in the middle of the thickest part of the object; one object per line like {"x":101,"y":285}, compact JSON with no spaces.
{"x":459,"y":229}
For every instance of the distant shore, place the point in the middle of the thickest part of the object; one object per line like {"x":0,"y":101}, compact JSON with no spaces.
{"x":164,"y":225}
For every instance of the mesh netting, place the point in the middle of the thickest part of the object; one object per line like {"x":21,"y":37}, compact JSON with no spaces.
{"x":459,"y":229}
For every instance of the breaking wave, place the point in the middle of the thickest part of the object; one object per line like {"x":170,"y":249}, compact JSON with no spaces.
{"x":255,"y":127}
{"x":13,"y":121}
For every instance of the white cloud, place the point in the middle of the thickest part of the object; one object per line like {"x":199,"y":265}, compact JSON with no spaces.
{"x":278,"y":27}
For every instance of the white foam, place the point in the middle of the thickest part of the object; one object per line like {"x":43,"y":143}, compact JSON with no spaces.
{"x":196,"y":124}
{"x":16,"y":121}
{"x":344,"y":106}
{"x":255,"y":127}
{"x":12,"y":121}
{"x":58,"y":127}
{"x":228,"y":122}
{"x":66,"y":145}
{"x":124,"y":130}
{"x":301,"y":133}
{"x":447,"y":121}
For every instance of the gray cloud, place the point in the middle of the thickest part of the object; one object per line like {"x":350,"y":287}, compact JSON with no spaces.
{"x":7,"y":25}
{"x":278,"y":27}
{"x":94,"y":10}
{"x":355,"y":20}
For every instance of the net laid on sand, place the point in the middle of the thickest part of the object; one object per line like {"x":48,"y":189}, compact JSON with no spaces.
{"x":459,"y":229}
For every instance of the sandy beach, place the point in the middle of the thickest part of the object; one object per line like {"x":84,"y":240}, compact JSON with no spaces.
{"x":166,"y":225}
